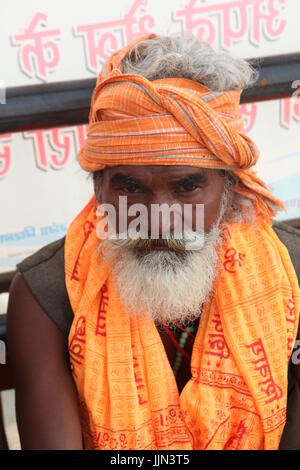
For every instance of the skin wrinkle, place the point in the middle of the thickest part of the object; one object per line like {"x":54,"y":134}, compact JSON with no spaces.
{"x":160,"y":276}
{"x":156,"y":180}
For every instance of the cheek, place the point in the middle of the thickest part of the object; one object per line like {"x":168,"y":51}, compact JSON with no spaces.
{"x":212,"y":205}
{"x":121,"y":220}
{"x":211,"y":213}
{"x":211,"y":198}
{"x":110,"y":197}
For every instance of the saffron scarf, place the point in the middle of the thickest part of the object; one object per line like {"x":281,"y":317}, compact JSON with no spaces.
{"x":237,"y":395}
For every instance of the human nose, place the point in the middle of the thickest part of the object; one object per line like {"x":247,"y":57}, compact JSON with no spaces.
{"x":164,"y":213}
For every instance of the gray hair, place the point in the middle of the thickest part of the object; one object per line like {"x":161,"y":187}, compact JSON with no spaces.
{"x":238,"y":208}
{"x":184,"y":56}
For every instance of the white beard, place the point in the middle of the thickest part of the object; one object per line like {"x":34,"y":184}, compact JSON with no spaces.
{"x":167,"y":286}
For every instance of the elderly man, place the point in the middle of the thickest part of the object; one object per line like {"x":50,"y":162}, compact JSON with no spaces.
{"x":160,"y":342}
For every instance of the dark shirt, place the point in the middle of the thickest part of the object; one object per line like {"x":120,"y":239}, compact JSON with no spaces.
{"x":44,"y":274}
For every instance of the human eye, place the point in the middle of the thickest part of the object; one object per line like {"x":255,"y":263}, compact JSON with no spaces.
{"x":190,"y":185}
{"x":131,"y":188}
{"x":186,"y":188}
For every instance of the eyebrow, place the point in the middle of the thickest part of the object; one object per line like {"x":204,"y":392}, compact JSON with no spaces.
{"x":120,"y":178}
{"x":192,"y":179}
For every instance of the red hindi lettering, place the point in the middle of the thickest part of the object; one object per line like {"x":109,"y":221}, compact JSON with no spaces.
{"x":256,"y":347}
{"x":101,"y":39}
{"x":289,"y":111}
{"x":5,"y":154}
{"x":61,"y":143}
{"x":267,"y":18}
{"x":77,"y":343}
{"x":88,"y":227}
{"x":102,"y":311}
{"x":218,"y":346}
{"x":234,"y":20}
{"x":52,"y":147}
{"x":249,"y":113}
{"x":233,"y":260}
{"x":38,"y":56}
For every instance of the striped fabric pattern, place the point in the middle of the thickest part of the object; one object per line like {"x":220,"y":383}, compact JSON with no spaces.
{"x":170,"y":121}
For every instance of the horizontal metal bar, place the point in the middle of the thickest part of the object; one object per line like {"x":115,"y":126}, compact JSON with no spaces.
{"x":47,"y":105}
{"x":67,"y":103}
{"x":2,"y":327}
{"x":276,"y":77}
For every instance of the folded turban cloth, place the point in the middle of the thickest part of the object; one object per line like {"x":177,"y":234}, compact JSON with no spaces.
{"x":170,"y":121}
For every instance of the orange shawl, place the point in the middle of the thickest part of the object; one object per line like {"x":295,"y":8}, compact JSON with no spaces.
{"x":237,"y":396}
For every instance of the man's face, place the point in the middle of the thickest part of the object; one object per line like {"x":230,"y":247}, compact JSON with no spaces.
{"x":161,"y":184}
{"x":169,"y":285}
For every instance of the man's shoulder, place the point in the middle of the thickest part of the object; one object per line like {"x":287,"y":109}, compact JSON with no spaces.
{"x":286,"y":230}
{"x":44,"y":274}
{"x":44,"y":254}
{"x":290,"y":237}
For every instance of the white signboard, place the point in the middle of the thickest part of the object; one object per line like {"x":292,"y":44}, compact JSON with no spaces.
{"x":41,"y":184}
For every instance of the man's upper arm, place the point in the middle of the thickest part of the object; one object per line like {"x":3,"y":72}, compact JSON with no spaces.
{"x":297,"y":366}
{"x":46,"y":398}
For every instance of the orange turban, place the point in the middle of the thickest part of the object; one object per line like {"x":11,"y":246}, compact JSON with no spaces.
{"x":171,"y":121}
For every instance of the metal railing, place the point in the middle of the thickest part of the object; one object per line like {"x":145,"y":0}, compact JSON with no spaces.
{"x":67,"y":103}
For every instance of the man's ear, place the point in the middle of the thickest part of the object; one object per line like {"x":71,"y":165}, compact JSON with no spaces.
{"x":230,"y":197}
{"x":97,"y":180}
{"x":229,"y":181}
{"x":95,"y":185}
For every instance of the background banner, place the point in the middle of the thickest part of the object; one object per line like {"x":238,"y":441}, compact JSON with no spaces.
{"x":41,"y":184}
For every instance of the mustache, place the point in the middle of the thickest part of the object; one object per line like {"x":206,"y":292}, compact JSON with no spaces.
{"x":169,"y":242}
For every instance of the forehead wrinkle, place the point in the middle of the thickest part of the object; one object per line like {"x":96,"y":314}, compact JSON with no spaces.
{"x":147,"y":175}
{"x":124,"y":178}
{"x":193,"y":178}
